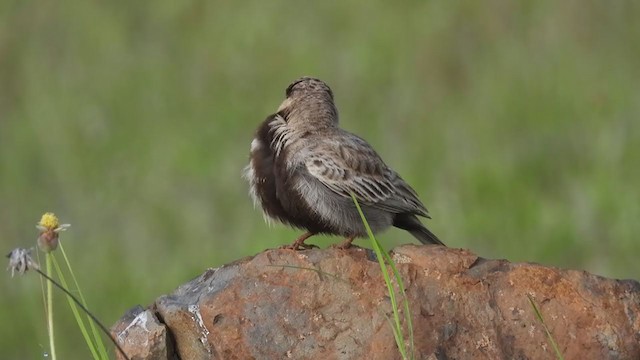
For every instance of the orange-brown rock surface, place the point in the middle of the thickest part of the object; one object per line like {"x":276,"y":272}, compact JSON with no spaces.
{"x":333,"y":304}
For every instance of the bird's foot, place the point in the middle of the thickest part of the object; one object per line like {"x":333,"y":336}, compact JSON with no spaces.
{"x":295,"y":246}
{"x":299,"y":243}
{"x":345,"y":244}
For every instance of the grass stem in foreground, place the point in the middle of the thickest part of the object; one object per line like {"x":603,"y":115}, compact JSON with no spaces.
{"x":52,"y":342}
{"x":383,"y":256}
{"x":95,"y":319}
{"x":546,"y":329}
{"x":76,"y":314}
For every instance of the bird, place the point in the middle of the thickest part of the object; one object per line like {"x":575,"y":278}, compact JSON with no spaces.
{"x":303,"y":169}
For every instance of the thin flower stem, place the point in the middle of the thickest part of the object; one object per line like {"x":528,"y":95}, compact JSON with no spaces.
{"x":95,"y":319}
{"x":52,"y":343}
{"x":43,"y":288}
{"x":94,"y":331}
{"x":76,"y":314}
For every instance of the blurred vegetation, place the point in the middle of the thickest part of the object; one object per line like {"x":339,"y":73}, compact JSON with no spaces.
{"x":516,"y":122}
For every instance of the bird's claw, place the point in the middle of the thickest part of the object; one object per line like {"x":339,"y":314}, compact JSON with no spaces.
{"x":341,"y":246}
{"x":346,"y":244}
{"x":297,"y":247}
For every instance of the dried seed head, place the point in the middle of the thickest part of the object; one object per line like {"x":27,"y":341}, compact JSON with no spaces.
{"x":20,"y":261}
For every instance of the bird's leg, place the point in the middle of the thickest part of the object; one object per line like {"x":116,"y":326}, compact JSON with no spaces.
{"x":346,"y":243}
{"x":299,"y":243}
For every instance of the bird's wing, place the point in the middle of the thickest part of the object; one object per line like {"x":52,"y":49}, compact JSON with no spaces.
{"x":349,"y":165}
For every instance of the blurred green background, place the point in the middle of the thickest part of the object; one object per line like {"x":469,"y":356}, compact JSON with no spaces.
{"x":516,"y":122}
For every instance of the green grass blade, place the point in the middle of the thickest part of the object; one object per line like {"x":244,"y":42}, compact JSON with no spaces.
{"x":76,"y":313}
{"x":96,"y":334}
{"x":52,"y":342}
{"x":407,"y":310}
{"x":380,"y":255}
{"x":397,"y":334}
{"x":93,"y":318}
{"x":546,"y":329}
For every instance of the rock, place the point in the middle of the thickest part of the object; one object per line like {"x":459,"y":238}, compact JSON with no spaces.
{"x":142,"y":336}
{"x":333,"y":304}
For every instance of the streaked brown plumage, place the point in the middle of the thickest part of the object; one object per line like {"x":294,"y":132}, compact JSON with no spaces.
{"x":303,"y":169}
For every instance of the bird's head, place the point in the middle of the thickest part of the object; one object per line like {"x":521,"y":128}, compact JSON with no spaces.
{"x":308,"y":86}
{"x":310,"y":101}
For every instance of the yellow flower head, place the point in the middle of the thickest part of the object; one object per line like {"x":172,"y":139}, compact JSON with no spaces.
{"x":49,"y":227}
{"x":49,"y":221}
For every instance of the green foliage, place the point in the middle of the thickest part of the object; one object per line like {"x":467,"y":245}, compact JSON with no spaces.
{"x":516,"y":123}
{"x":94,"y":341}
{"x":384,"y":259}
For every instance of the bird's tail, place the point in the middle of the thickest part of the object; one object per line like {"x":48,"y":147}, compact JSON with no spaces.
{"x":425,"y":236}
{"x":411,"y":223}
